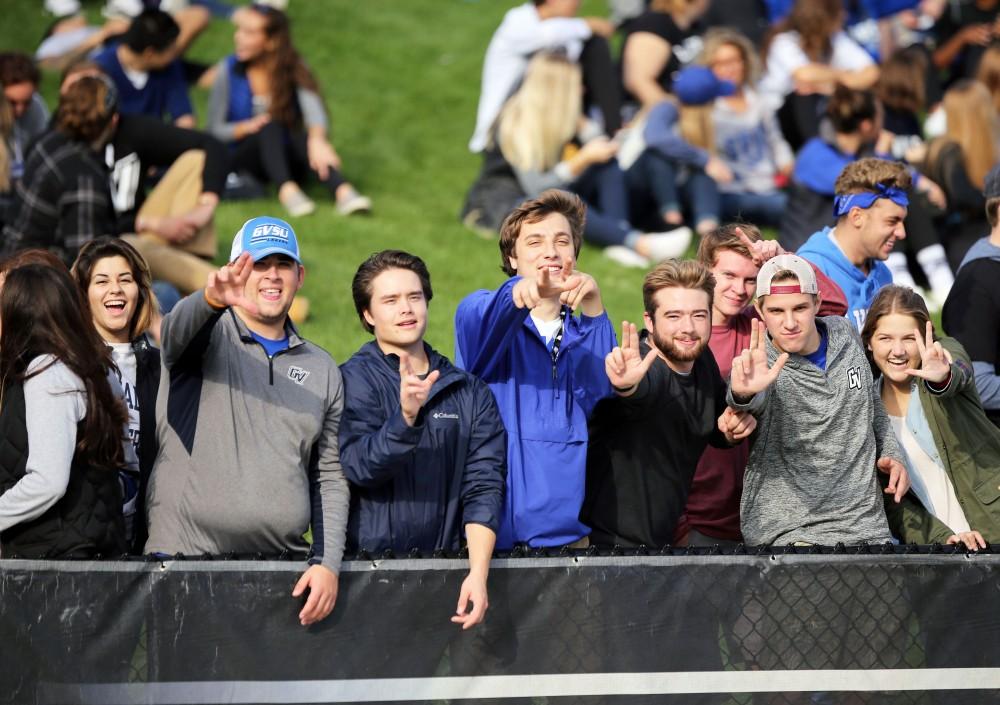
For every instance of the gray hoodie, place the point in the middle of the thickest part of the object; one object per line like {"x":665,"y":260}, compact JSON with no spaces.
{"x":811,"y":475}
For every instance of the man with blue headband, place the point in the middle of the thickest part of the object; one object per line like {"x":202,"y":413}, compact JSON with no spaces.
{"x":870,"y":206}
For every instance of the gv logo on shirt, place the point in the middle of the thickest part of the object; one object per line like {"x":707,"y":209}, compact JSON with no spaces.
{"x":854,"y":378}
{"x":297,"y":374}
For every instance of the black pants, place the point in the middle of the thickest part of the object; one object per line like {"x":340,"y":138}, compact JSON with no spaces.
{"x":601,"y":82}
{"x":277,"y":154}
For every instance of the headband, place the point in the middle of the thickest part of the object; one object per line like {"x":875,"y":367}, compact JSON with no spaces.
{"x":844,"y":203}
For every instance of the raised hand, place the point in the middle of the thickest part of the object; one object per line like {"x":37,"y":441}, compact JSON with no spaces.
{"x":584,"y":289}
{"x":413,"y":391}
{"x":899,"y":478}
{"x":751,"y":373}
{"x":736,"y":425}
{"x":624,"y":365}
{"x":226,"y":287}
{"x":935,"y":364}
{"x":761,"y":250}
{"x":528,"y":293}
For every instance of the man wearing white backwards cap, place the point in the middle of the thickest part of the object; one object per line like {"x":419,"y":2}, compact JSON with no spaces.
{"x":821,"y":430}
{"x":247,"y":420}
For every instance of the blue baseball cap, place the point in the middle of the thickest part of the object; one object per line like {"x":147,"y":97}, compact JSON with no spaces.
{"x":263,"y":236}
{"x":697,"y":85}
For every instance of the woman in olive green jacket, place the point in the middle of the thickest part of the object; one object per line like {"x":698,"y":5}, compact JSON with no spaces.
{"x":953,"y":451}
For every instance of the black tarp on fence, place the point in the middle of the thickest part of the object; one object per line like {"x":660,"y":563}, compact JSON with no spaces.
{"x":772,"y":628}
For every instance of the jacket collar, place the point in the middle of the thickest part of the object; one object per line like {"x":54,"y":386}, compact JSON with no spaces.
{"x":294,"y":339}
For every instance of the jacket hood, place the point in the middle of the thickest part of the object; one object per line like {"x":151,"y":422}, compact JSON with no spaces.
{"x":982,"y":249}
{"x":821,"y":243}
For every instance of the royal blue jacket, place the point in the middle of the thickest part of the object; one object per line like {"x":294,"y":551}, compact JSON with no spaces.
{"x":859,"y":288}
{"x":417,"y":487}
{"x":544,"y":407}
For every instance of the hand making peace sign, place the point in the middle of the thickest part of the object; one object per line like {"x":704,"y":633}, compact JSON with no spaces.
{"x":624,"y":365}
{"x":935,"y":365}
{"x":751,"y":373}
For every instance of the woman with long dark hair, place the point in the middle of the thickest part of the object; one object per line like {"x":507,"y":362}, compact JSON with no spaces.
{"x":266,"y":101}
{"x":61,"y":424}
{"x":116,"y":287}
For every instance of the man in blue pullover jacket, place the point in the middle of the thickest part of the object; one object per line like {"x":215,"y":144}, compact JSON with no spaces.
{"x":421,"y":441}
{"x":544,"y":364}
{"x":870,"y":206}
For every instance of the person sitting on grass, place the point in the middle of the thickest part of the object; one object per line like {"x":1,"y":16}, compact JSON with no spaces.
{"x":266,"y":103}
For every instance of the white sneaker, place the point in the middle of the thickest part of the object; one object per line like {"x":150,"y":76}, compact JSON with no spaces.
{"x":626,"y":257}
{"x":355,"y":203}
{"x":668,"y":244}
{"x":63,"y":8}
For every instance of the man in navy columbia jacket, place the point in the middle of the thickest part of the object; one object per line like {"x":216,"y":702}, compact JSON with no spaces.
{"x":422,"y":442}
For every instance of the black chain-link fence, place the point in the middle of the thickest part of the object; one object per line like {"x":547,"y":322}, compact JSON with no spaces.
{"x":887,"y":624}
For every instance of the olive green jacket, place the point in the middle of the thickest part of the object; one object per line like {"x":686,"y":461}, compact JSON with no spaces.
{"x":968,"y":445}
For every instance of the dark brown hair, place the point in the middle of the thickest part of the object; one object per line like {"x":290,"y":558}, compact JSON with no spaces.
{"x":288,"y":71}
{"x":678,"y":274}
{"x":42,"y":314}
{"x":32,"y":256}
{"x":361,"y":287}
{"x":901,"y":83}
{"x":86,"y":109}
{"x":102,"y":248}
{"x":16,"y":67}
{"x":848,"y":108}
{"x":816,"y":21}
{"x":535,"y":210}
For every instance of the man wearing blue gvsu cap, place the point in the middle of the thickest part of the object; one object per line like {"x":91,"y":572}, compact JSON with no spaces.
{"x":870,"y":206}
{"x":247,"y":420}
{"x":821,"y":432}
{"x":422,"y":441}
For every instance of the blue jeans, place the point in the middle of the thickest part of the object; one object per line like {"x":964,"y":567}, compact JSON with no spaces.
{"x":756,"y":208}
{"x":602,"y":187}
{"x":654,"y":179}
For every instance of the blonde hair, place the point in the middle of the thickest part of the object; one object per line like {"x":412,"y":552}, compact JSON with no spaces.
{"x":973,"y":126}
{"x":697,"y":127}
{"x":543,"y":115}
{"x":989,"y":73}
{"x":718,"y":37}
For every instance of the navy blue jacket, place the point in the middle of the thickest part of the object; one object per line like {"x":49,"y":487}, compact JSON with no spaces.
{"x":417,"y":487}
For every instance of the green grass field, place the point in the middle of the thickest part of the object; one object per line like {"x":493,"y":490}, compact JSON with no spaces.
{"x":401,"y":82}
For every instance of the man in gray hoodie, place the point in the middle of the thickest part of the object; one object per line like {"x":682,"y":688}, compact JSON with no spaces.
{"x":247,"y":420}
{"x":822,"y":430}
{"x":972,"y":311}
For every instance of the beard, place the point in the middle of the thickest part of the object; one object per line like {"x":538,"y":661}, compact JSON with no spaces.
{"x":675,"y":354}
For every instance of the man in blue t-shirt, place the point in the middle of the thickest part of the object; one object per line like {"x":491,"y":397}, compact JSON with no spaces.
{"x":870,"y":206}
{"x":145,"y":69}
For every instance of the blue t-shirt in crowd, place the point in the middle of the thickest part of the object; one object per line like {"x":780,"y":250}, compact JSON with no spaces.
{"x":272,"y":347}
{"x":818,"y":358}
{"x":164,"y":94}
